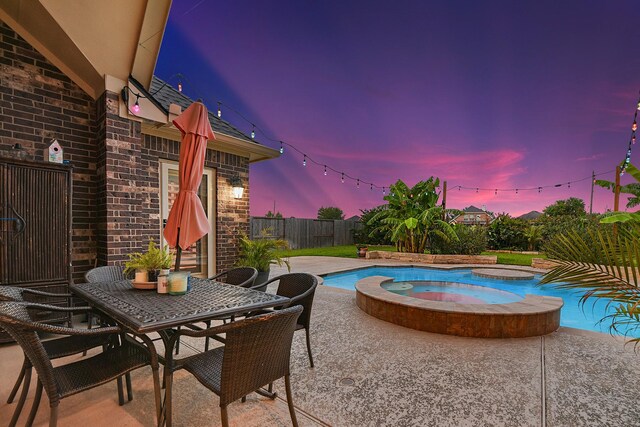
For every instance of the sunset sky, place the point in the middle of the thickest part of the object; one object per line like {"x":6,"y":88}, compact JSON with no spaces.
{"x":488,"y":94}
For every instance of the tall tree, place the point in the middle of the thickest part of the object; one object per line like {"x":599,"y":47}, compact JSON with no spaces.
{"x":567,"y":207}
{"x":330,"y":212}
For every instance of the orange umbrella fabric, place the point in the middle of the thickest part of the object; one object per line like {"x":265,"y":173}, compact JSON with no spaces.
{"x":187,"y":218}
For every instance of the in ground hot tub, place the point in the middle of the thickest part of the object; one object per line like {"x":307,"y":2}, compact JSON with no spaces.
{"x":458,"y":309}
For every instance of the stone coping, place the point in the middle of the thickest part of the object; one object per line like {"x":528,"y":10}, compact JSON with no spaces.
{"x":434,"y":259}
{"x":504,"y":274}
{"x":534,"y":315}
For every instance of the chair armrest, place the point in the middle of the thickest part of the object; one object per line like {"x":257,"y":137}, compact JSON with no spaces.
{"x":265,"y":284}
{"x":61,"y":330}
{"x":293,"y":301}
{"x":46,"y":294}
{"x":217,"y":276}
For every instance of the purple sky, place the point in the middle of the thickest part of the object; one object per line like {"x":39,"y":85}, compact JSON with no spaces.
{"x":491,"y":94}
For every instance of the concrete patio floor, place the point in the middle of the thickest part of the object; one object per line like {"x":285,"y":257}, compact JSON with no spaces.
{"x":372,"y":373}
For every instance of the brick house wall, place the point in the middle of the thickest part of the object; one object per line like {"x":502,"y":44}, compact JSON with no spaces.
{"x":39,"y":103}
{"x":116,"y":206}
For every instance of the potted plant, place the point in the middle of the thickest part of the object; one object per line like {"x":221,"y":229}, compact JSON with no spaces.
{"x":261,"y":253}
{"x":156,"y":258}
{"x":362,"y":250}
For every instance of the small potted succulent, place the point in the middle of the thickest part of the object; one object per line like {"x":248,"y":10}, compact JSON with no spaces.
{"x":154,"y":261}
{"x":261,"y":253}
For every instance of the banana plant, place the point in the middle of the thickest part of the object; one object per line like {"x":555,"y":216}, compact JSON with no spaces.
{"x":411,"y":216}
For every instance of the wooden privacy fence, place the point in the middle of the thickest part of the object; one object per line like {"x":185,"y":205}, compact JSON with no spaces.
{"x":306,"y":233}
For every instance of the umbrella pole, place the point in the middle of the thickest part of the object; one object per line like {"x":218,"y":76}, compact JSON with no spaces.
{"x":178,"y":251}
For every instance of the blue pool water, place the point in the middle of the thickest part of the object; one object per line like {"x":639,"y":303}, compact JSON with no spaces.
{"x":572,"y":315}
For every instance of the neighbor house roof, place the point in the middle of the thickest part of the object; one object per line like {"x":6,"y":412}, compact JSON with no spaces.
{"x":531,"y":215}
{"x":473,"y":209}
{"x":165,"y":95}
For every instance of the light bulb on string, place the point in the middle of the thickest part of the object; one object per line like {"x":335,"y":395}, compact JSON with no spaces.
{"x":219,"y":110}
{"x":136,"y":106}
{"x":304,"y":160}
{"x":342,"y":178}
{"x":371,"y":187}
{"x":325,"y":170}
{"x":383,"y":192}
{"x":633,"y":139}
{"x":634,"y":126}
{"x":281,"y":148}
{"x":358,"y":183}
{"x":516,"y":191}
{"x":496,"y":193}
{"x":180,"y":87}
{"x":639,"y":105}
{"x":253,"y":131}
{"x":569,"y":184}
{"x":539,"y":189}
{"x":477,"y":190}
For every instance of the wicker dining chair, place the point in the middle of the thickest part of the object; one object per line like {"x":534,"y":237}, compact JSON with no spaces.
{"x":107,"y":273}
{"x":55,"y":349}
{"x":257,"y":351}
{"x":239,"y":276}
{"x":120,"y":357}
{"x":300,"y":288}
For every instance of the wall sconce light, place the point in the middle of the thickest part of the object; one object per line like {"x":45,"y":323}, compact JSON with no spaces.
{"x":238,"y":188}
{"x":124,"y":93}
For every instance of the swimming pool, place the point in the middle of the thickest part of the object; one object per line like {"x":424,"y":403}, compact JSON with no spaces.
{"x":571,"y":315}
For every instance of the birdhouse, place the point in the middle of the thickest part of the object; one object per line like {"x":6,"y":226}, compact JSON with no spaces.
{"x":53,"y":153}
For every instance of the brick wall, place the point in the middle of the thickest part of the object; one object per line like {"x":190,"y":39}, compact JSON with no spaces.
{"x":116,"y":206}
{"x":232,"y":218}
{"x":39,"y":103}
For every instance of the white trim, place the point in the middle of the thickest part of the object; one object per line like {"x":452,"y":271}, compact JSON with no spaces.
{"x":165,"y":166}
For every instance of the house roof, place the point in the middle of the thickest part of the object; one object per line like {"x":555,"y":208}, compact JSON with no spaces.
{"x":473,"y":209}
{"x":531,"y":215}
{"x":89,"y":40}
{"x":165,"y":95}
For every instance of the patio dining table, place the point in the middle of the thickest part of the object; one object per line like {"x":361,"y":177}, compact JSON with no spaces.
{"x":142,"y":312}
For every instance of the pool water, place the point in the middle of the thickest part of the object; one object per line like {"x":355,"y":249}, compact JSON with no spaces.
{"x":572,"y":315}
{"x":451,"y":292}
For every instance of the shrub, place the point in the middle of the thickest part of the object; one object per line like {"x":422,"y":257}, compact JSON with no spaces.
{"x":372,"y":231}
{"x":472,"y":240}
{"x":508,"y":233}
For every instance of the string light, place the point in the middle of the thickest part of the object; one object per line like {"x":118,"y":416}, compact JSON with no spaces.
{"x":304,"y":160}
{"x":632,"y":140}
{"x":343,"y":174}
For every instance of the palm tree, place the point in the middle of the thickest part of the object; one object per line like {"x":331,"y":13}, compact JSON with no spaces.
{"x":534,"y":236}
{"x":604,"y":263}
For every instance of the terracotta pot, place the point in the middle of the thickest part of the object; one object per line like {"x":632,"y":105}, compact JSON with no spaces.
{"x":362,"y":252}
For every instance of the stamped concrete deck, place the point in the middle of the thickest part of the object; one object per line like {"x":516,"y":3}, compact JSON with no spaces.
{"x":372,"y":373}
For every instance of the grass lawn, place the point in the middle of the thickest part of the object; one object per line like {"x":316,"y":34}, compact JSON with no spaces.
{"x":514,"y":259}
{"x":349,"y":251}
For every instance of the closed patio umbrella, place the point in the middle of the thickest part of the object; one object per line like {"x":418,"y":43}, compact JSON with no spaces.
{"x":187,"y":220}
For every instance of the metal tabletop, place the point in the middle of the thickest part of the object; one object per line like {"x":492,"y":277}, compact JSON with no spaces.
{"x":144,"y":311}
